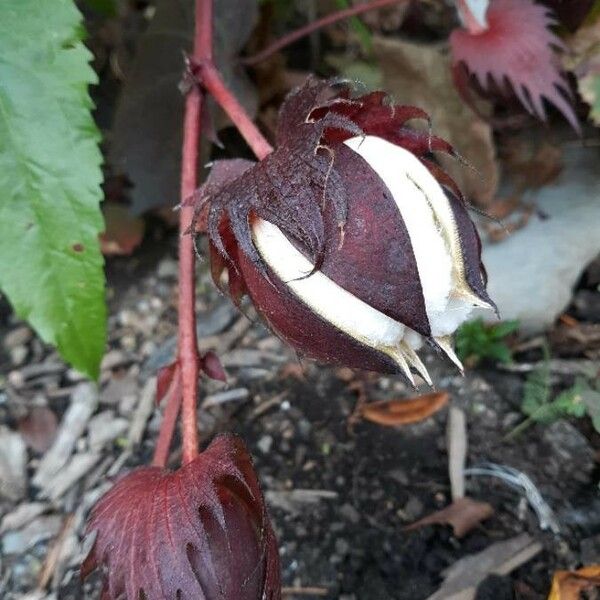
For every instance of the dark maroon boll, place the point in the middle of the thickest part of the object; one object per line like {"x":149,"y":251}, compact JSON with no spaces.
{"x":352,"y":244}
{"x":198,"y":533}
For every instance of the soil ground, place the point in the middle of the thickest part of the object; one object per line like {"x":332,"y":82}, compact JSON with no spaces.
{"x":339,"y":496}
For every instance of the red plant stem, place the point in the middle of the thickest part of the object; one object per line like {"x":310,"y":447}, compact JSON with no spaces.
{"x":294,"y":36}
{"x":188,"y":357}
{"x":169,"y":421}
{"x":213,"y":82}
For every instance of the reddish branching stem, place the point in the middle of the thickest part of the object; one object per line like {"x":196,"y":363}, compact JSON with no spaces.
{"x":188,"y":357}
{"x":185,"y":392}
{"x":169,"y":421}
{"x":184,"y":388}
{"x":214,"y":84}
{"x":294,"y":36}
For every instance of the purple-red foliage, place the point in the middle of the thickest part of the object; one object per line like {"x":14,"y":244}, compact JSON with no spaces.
{"x":517,"y":49}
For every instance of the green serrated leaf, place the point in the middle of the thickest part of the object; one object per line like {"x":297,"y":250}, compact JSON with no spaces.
{"x":500,"y":352}
{"x":50,"y":175}
{"x":536,"y":392}
{"x":476,"y":341}
{"x":570,"y":402}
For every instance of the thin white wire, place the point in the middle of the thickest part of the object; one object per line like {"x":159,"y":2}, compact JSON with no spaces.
{"x":520,"y":481}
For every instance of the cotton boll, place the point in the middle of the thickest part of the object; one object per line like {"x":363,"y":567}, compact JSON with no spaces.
{"x":324,"y":296}
{"x":344,"y":238}
{"x":398,"y":169}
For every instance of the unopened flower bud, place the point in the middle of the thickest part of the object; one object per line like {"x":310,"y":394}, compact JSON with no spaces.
{"x":199,"y":532}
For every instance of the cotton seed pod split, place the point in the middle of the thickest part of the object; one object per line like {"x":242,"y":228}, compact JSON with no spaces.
{"x":352,"y":243}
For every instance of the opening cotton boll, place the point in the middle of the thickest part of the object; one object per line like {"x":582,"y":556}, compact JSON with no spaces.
{"x":399,"y":256}
{"x":428,"y":218}
{"x":336,"y":305}
{"x":324,"y":296}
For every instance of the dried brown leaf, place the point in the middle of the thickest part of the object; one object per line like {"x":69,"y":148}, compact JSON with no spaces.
{"x":420,"y":75}
{"x":402,"y":411}
{"x":532,"y":163}
{"x":575,"y":339}
{"x":462,"y":515}
{"x":38,"y":428}
{"x":505,"y":207}
{"x":568,"y":585}
{"x":124,"y":232}
{"x":584,"y":61}
{"x":293,"y":370}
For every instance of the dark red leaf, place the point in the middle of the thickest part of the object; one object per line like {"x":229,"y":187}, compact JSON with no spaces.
{"x":212,"y":367}
{"x":571,"y":13}
{"x":198,"y":533}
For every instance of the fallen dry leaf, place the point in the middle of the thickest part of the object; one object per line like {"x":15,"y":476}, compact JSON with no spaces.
{"x":530,"y":162}
{"x":293,"y":370}
{"x":568,"y":585}
{"x":501,"y":558}
{"x":575,"y":339}
{"x":584,"y":61}
{"x":404,"y":411}
{"x":124,"y":232}
{"x":38,"y":428}
{"x":505,"y":207}
{"x":498,"y":232}
{"x":462,"y":515}
{"x":420,"y":74}
{"x":568,"y":320}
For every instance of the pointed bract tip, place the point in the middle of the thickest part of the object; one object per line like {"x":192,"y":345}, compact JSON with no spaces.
{"x":445,"y":343}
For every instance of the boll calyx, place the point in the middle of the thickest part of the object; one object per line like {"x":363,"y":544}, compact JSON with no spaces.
{"x":200,"y":532}
{"x":354,"y":245}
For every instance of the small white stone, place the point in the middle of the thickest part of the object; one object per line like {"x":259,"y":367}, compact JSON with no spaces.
{"x":265,"y":443}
